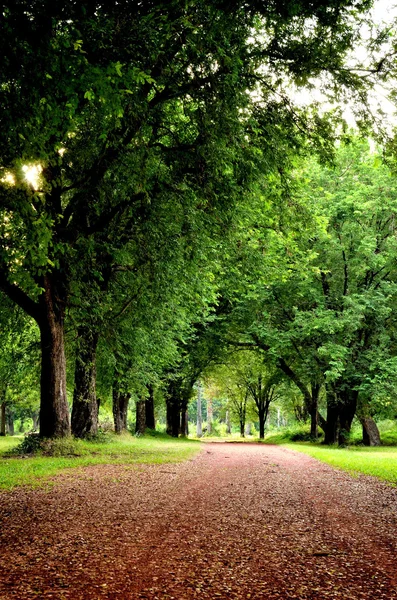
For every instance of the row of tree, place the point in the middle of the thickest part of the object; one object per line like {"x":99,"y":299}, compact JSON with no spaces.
{"x":157,"y":207}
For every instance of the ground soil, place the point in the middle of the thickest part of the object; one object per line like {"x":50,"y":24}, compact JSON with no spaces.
{"x":238,"y":521}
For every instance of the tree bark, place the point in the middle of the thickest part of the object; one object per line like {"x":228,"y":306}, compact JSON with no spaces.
{"x":140,"y":425}
{"x":347,"y":410}
{"x":2,"y":419}
{"x":10,"y":421}
{"x":36,"y":420}
{"x":120,"y":409}
{"x":85,"y":404}
{"x":184,"y":431}
{"x":314,"y":411}
{"x":261,"y":415}
{"x":371,"y":436}
{"x":199,"y":413}
{"x":150,"y":420}
{"x":173,"y":417}
{"x":54,"y":408}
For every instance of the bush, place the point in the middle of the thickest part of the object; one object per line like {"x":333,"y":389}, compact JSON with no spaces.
{"x":33,"y":444}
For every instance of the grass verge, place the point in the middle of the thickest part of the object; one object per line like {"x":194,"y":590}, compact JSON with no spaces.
{"x":378,"y":462}
{"x":35,"y":470}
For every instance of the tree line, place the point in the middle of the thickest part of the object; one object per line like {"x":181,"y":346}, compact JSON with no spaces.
{"x":164,"y":200}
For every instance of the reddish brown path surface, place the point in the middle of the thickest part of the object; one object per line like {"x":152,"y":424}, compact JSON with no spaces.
{"x":239,"y":521}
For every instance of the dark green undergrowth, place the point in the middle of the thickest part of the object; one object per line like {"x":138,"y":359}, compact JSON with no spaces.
{"x":297,"y":433}
{"x":32,"y":461}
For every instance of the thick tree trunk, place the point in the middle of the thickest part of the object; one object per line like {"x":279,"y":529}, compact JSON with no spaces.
{"x":120,"y":409}
{"x":2,"y":419}
{"x":150,"y":420}
{"x":173,"y":417}
{"x":85,"y":405}
{"x":54,"y":409}
{"x":140,"y":424}
{"x":371,"y":436}
{"x":347,"y":410}
{"x":242,"y":428}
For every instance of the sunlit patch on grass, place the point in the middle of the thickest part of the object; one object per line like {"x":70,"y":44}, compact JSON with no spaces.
{"x":378,"y":462}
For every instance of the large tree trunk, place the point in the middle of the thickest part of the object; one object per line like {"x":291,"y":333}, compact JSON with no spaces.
{"x":150,"y":420}
{"x":173,"y":417}
{"x":2,"y":419}
{"x":85,"y":405}
{"x":140,"y":422}
{"x":54,"y":409}
{"x":371,"y":436}
{"x":120,"y":409}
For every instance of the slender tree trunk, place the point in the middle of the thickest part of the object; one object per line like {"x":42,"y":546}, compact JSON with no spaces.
{"x":2,"y":419}
{"x":125,"y":400}
{"x":261,"y":415}
{"x":150,"y":420}
{"x":228,"y":423}
{"x":184,"y":429}
{"x":36,"y":420}
{"x":140,"y":425}
{"x":10,"y":421}
{"x":54,"y":408}
{"x":199,"y":410}
{"x":314,"y":411}
{"x":210,"y":414}
{"x":21,"y":425}
{"x":85,"y":404}
{"x":242,"y":427}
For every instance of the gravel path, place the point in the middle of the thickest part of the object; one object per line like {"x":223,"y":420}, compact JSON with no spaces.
{"x":239,"y":521}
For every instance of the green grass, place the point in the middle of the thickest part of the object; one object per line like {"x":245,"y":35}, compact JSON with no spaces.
{"x":378,"y":462}
{"x":124,"y":449}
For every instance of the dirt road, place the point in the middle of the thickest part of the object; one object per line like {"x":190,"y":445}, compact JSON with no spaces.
{"x":239,"y":521}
